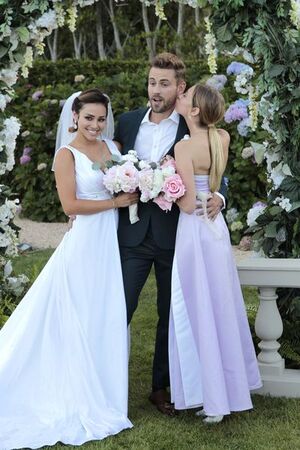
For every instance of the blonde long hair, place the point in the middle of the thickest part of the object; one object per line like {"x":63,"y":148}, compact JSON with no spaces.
{"x":211,"y":110}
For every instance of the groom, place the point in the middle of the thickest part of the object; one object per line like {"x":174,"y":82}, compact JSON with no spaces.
{"x":153,"y":133}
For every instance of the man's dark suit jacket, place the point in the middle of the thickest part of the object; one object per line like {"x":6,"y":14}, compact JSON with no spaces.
{"x":163,"y":224}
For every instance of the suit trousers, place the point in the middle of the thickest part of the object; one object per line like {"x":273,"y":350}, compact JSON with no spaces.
{"x":136,"y":265}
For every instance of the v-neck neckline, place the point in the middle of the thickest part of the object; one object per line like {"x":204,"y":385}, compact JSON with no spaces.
{"x":89,"y":159}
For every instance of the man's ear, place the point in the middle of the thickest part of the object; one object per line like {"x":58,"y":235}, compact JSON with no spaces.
{"x":181,"y":87}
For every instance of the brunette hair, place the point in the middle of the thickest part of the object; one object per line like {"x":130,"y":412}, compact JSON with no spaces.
{"x":211,"y":110}
{"x":89,"y":96}
{"x":169,"y":61}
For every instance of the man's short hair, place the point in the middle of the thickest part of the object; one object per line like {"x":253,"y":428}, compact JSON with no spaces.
{"x":169,"y":61}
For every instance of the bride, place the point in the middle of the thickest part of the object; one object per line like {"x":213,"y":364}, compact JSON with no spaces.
{"x":63,"y":351}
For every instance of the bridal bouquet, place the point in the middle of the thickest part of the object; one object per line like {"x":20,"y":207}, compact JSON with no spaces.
{"x":122,"y":175}
{"x":160,"y":183}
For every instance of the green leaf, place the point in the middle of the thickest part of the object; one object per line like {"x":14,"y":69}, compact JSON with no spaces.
{"x":271,"y":230}
{"x":96,"y":166}
{"x":3,"y":51}
{"x":224,"y":34}
{"x":276,"y":70}
{"x":295,"y":205}
{"x":23,"y":34}
{"x":259,"y":151}
{"x":275,"y":210}
{"x":116,"y":158}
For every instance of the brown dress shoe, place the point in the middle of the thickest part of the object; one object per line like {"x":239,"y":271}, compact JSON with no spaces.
{"x":161,"y":399}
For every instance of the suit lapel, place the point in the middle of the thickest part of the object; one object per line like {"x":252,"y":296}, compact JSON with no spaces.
{"x":135,"y":125}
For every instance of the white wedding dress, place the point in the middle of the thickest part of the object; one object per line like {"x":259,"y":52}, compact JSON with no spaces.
{"x":63,"y":352}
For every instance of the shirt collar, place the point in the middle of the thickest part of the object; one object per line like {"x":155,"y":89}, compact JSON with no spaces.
{"x":174,"y":117}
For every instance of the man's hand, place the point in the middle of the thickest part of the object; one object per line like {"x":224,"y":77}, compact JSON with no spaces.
{"x":214,"y":206}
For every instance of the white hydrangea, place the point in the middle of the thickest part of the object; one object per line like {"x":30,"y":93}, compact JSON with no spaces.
{"x":4,"y":99}
{"x":254,"y":212}
{"x":48,"y":20}
{"x":231,"y":215}
{"x":276,"y":175}
{"x":242,"y":80}
{"x":9,"y":76}
{"x":283,"y":202}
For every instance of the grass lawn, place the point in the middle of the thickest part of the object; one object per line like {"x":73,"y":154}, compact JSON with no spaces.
{"x":274,"y":424}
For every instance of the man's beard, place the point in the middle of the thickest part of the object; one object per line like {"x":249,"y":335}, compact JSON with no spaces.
{"x":163,"y":106}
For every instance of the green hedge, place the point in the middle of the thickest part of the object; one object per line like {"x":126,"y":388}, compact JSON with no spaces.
{"x":126,"y":84}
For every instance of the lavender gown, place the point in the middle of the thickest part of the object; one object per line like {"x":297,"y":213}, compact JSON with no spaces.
{"x":212,"y":358}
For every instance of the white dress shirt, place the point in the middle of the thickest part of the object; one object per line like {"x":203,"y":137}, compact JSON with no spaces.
{"x":154,"y":140}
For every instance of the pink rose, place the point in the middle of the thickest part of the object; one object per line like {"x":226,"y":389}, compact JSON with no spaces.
{"x":163,"y":203}
{"x":173,"y":187}
{"x":168,"y":161}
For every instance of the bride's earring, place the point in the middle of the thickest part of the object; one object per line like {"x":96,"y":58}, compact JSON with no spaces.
{"x":75,"y":125}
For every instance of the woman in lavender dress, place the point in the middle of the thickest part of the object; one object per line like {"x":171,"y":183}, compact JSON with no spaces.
{"x":212,"y":358}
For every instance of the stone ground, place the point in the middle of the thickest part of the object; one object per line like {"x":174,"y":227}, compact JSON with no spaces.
{"x":42,"y":235}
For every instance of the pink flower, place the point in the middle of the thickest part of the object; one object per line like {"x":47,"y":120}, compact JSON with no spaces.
{"x":110,"y":180}
{"x":129,"y":177}
{"x":25,"y":159}
{"x":173,"y":187}
{"x":168,"y":161}
{"x":163,"y":203}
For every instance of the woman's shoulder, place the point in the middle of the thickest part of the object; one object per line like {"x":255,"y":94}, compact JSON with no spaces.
{"x":224,"y":134}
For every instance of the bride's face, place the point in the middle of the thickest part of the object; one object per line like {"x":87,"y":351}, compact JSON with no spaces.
{"x":184,"y":102}
{"x":91,"y":120}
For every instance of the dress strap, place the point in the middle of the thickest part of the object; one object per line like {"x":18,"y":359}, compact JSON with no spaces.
{"x":72,"y":150}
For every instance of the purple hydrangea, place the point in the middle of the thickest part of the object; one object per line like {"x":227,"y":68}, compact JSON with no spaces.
{"x":217,"y":81}
{"x":237,"y":111}
{"x":25,"y":159}
{"x":27,"y":150}
{"x":37,"y":95}
{"x":235,"y":68}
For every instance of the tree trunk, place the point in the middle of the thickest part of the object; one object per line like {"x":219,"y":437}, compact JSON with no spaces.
{"x":77,"y":44}
{"x":115,"y":28}
{"x":149,"y":40}
{"x":52,"y":45}
{"x":197,"y":22}
{"x":179,"y":27}
{"x":99,"y":30}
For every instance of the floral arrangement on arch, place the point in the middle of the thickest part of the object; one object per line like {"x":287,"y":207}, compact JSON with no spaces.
{"x":22,"y":32}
